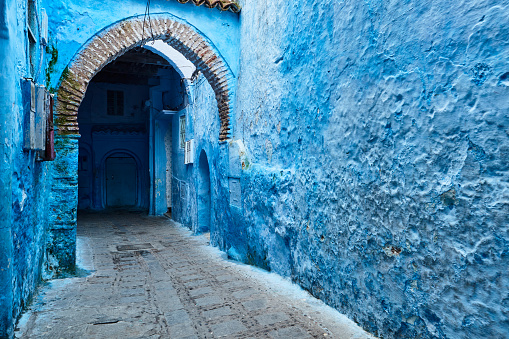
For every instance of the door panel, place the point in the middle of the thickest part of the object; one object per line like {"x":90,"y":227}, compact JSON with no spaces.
{"x":121,"y":182}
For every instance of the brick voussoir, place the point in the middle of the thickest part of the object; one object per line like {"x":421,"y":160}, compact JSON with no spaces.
{"x":99,"y":55}
{"x":62,"y":111}
{"x":101,"y":46}
{"x":69,"y":88}
{"x":217,"y":65}
{"x":223,"y":74}
{"x":117,"y":40}
{"x":196,"y":41}
{"x":90,"y":65}
{"x":136,"y":30}
{"x":184,"y":35}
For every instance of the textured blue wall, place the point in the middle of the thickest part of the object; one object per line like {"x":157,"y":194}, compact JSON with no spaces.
{"x":202,"y":124}
{"x":24,"y":182}
{"x":8,"y":81}
{"x":74,"y":22}
{"x":377,"y":138}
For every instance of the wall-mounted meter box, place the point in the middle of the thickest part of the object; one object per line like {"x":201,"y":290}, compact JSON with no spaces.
{"x":189,"y":152}
{"x":44,"y":28}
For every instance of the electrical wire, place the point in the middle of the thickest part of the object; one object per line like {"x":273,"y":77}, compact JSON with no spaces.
{"x":147,"y":14}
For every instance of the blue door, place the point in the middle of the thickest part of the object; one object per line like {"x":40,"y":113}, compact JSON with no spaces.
{"x":121,"y":182}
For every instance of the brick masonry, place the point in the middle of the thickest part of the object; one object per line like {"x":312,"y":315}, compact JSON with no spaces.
{"x":119,"y":38}
{"x":224,"y":5}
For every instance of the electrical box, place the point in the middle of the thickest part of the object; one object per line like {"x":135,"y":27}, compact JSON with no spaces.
{"x":235,"y":192}
{"x":44,"y":28}
{"x":36,"y":109}
{"x":49,"y":153}
{"x":41,"y":117}
{"x":189,"y":152}
{"x":29,"y":107}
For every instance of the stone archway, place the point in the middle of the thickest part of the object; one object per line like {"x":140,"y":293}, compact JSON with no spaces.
{"x":122,"y":36}
{"x":95,"y":54}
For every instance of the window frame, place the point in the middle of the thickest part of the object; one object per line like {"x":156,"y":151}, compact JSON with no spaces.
{"x":182,"y":132}
{"x":117,"y":105}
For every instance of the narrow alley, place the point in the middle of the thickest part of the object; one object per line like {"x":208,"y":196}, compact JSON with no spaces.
{"x":148,"y":277}
{"x":330,"y":168}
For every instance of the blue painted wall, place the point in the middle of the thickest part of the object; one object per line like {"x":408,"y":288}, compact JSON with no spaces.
{"x":202,"y":124}
{"x":74,"y":22}
{"x":368,"y":163}
{"x":103,"y":136}
{"x":168,"y":100}
{"x":377,"y":138}
{"x":24,"y":182}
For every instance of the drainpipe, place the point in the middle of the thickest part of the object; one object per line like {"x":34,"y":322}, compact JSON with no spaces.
{"x":8,"y":86}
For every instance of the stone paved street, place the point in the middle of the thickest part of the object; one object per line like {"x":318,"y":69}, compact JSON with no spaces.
{"x":150,"y":278}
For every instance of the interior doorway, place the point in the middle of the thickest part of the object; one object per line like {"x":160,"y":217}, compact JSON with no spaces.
{"x":203,"y":193}
{"x":121,"y":181}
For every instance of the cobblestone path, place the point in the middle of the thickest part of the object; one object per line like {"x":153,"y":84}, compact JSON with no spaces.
{"x":150,"y":278}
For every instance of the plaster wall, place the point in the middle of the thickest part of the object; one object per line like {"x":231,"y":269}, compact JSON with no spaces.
{"x":202,"y":124}
{"x":105,"y":135}
{"x":74,"y":22}
{"x":23,"y":180}
{"x":168,"y":99}
{"x":376,"y":134}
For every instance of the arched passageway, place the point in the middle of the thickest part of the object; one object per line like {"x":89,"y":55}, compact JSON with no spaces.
{"x":105,"y":47}
{"x":119,"y":38}
{"x":203,"y":193}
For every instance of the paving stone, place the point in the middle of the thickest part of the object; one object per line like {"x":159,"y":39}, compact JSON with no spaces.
{"x":228,"y":328}
{"x":217,"y":312}
{"x":245,"y":294}
{"x":293,"y":332}
{"x":271,"y":318}
{"x":209,"y":300}
{"x":196,"y":283}
{"x":253,"y":305}
{"x":200,"y":291}
{"x":182,"y":331}
{"x":191,"y":277}
{"x":227,"y":278}
{"x":164,"y":289}
{"x":177,"y":317}
{"x":234,"y":284}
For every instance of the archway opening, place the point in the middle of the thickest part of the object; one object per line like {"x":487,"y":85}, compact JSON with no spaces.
{"x":204,"y":192}
{"x":106,"y":46}
{"x":116,"y":119}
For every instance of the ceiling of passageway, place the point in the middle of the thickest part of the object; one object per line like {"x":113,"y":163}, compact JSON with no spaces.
{"x":134,"y":67}
{"x":181,"y":64}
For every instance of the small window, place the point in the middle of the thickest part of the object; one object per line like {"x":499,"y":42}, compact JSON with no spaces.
{"x":115,"y":103}
{"x":182,"y":131}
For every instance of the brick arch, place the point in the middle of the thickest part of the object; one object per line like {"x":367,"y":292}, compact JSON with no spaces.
{"x":122,"y":36}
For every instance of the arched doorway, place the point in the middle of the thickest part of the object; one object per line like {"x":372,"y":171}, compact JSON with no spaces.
{"x":203,"y":193}
{"x":103,"y":48}
{"x":128,"y":34}
{"x":121,"y":176}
